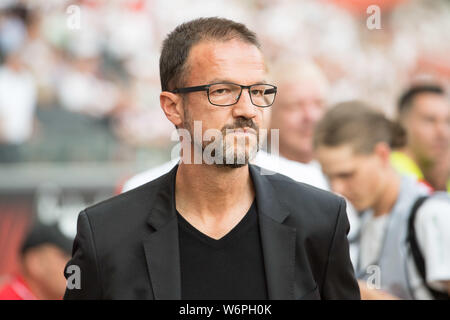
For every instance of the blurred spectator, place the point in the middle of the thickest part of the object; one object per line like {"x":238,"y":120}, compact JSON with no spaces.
{"x":12,"y":28}
{"x":17,"y":107}
{"x":81,"y":90}
{"x":424,"y":113}
{"x":43,"y":60}
{"x":303,"y":90}
{"x":353,"y":146}
{"x":44,"y":253}
{"x":300,"y":104}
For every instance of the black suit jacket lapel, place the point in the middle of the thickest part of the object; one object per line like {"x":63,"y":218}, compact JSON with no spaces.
{"x":161,"y":246}
{"x":278,"y":240}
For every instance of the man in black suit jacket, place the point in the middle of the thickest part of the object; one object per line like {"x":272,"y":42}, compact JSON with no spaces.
{"x":220,"y":229}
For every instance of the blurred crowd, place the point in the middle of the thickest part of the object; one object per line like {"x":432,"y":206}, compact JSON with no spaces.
{"x":83,"y":75}
{"x":79,"y":81}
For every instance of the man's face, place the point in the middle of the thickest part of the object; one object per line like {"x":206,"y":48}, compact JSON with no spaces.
{"x":428,"y":127}
{"x":354,"y":176}
{"x":45,"y":264}
{"x":55,"y":261}
{"x":299,"y":106}
{"x":231,"y":61}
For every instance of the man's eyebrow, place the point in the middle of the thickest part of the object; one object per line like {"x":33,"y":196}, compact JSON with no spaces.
{"x":345,"y":173}
{"x":224,"y":80}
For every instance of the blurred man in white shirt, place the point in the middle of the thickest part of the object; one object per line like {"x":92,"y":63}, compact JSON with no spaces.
{"x":17,"y":107}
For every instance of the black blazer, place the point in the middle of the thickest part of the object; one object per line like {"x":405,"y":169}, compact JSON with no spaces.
{"x":127,"y":246}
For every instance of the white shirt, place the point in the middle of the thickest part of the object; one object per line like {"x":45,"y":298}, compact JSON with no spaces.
{"x":310,"y":173}
{"x":307,"y":173}
{"x":432,"y":226}
{"x":17,"y":105}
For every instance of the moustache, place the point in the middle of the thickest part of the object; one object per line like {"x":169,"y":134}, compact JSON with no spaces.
{"x":241,"y":123}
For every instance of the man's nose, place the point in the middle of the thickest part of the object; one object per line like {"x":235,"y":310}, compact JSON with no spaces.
{"x":244,"y":107}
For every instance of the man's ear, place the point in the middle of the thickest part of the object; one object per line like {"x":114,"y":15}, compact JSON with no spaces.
{"x":172,"y":105}
{"x":383,"y":151}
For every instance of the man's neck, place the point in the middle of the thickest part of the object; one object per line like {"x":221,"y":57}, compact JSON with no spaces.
{"x":302,"y":157}
{"x":213,"y":199}
{"x":209,"y":190}
{"x":422,"y":163}
{"x":409,"y":154}
{"x":388,"y":196}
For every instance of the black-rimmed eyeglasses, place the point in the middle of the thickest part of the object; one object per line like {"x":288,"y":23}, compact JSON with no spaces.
{"x":227,"y":94}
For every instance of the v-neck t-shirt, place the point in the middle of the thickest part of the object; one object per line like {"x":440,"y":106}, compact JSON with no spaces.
{"x":231,"y":267}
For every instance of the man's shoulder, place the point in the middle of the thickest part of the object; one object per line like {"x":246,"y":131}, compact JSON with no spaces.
{"x":149,"y":175}
{"x":128,"y":206}
{"x":302,"y":198}
{"x":309,"y":173}
{"x":290,"y":186}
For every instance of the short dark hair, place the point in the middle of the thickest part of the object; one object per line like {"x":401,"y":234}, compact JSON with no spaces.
{"x":40,"y":234}
{"x":406,"y":100}
{"x":178,"y":43}
{"x":355,"y":123}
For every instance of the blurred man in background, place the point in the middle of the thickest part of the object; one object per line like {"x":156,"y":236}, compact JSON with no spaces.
{"x":44,"y":254}
{"x":302,"y":99}
{"x":424,"y":113}
{"x":353,"y":147}
{"x":303,"y":91}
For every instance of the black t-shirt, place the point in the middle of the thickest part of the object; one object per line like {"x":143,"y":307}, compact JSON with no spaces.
{"x":229,"y":268}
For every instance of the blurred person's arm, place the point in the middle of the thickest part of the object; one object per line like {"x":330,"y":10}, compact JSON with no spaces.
{"x":374,"y":294}
{"x":84,"y":257}
{"x":432,"y":227}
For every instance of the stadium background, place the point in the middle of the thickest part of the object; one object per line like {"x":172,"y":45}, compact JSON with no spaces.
{"x":95,"y":118}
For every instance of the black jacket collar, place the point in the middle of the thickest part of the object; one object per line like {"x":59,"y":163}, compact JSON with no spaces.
{"x":164,"y":204}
